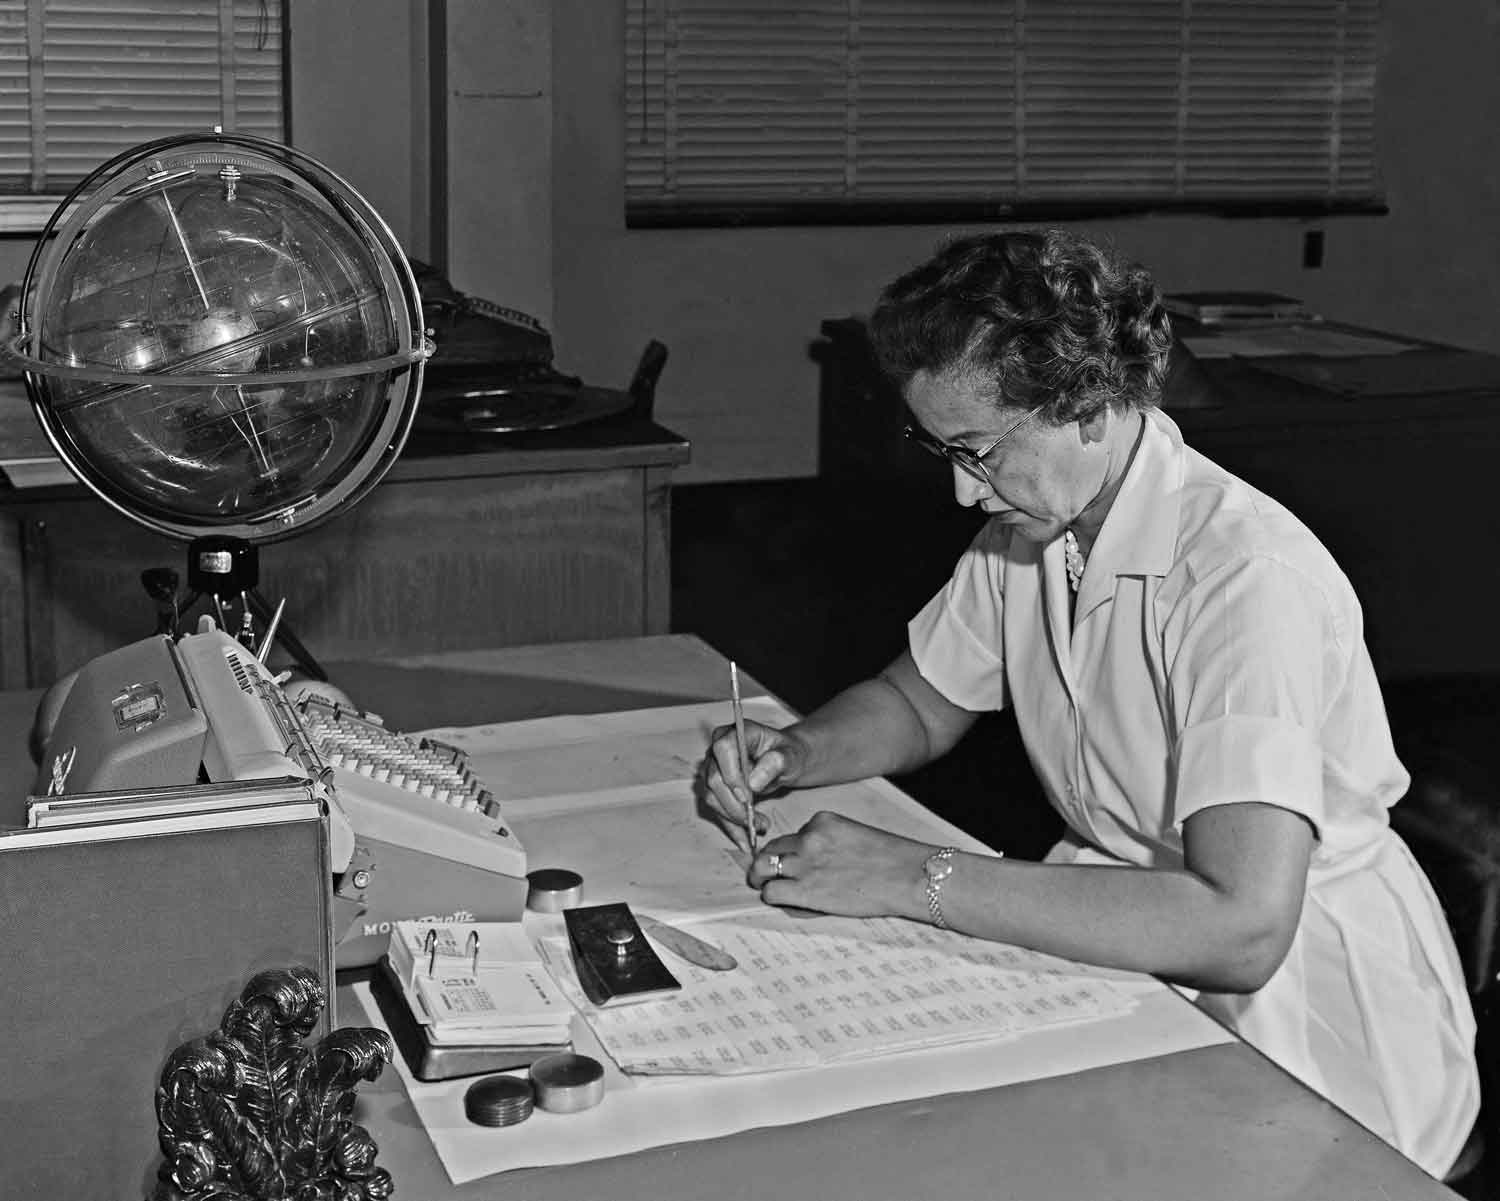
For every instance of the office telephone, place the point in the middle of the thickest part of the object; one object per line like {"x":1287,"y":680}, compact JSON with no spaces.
{"x":413,"y":832}
{"x":492,"y":371}
{"x":474,"y":333}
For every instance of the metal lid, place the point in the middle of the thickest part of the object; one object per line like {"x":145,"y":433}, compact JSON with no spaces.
{"x":553,"y":889}
{"x":567,"y":1083}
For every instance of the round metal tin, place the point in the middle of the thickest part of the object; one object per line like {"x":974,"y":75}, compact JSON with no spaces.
{"x":553,"y":889}
{"x":567,"y":1083}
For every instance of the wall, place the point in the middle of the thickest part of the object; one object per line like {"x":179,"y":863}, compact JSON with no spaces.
{"x":499,"y":149}
{"x":359,"y":104}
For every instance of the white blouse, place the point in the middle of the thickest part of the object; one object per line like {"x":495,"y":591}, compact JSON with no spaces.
{"x":1216,"y":655}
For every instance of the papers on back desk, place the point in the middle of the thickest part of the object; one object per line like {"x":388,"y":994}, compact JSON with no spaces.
{"x":826,"y":990}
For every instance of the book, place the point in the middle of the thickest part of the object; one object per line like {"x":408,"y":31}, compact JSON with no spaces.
{"x":125,"y":939}
{"x":1211,"y":308}
{"x":139,"y":804}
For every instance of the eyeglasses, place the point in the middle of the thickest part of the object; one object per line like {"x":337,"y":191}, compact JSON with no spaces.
{"x":966,"y":458}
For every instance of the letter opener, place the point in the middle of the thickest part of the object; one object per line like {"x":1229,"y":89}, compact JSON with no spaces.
{"x":687,"y":946}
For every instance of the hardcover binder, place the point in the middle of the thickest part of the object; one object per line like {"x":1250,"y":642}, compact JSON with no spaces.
{"x":122,"y":940}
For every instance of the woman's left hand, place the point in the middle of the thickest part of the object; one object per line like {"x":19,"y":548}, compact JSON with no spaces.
{"x":840,"y":866}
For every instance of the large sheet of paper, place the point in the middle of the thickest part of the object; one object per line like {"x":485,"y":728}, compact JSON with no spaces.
{"x":805,"y":993}
{"x":641,"y":1112}
{"x":615,"y":797}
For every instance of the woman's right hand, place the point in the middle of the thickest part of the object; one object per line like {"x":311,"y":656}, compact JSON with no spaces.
{"x":776,"y":759}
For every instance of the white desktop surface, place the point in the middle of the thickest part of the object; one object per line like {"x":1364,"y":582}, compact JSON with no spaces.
{"x":1218,"y":1121}
{"x":611,"y":797}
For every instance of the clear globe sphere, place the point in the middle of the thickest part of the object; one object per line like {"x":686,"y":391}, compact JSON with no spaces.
{"x":221,"y":337}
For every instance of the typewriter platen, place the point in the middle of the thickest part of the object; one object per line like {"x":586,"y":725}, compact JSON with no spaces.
{"x":413,"y":832}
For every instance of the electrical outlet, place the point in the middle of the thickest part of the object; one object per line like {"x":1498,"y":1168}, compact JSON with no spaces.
{"x":1312,"y":248}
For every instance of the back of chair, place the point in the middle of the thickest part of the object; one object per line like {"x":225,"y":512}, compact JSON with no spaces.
{"x":1447,"y":733}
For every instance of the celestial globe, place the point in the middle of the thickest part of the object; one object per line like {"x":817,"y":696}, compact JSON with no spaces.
{"x":221,"y":338}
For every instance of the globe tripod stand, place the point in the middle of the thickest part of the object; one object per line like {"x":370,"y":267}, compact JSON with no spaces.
{"x":226,"y":572}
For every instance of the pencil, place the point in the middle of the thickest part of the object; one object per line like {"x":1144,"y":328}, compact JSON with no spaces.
{"x":739,"y":742}
{"x":265,"y":645}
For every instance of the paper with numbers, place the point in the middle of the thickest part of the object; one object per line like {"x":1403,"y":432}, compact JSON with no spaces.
{"x":826,"y":990}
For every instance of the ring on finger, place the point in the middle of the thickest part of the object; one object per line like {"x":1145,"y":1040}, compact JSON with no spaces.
{"x":775,"y":862}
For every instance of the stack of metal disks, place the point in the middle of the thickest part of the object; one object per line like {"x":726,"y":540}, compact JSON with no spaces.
{"x":498,"y":1101}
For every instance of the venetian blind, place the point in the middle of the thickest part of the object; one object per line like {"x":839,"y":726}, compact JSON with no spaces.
{"x":739,"y":108}
{"x":83,"y":80}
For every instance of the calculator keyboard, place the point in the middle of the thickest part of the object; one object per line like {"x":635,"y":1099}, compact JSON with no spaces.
{"x":429,"y":838}
{"x":359,"y":744}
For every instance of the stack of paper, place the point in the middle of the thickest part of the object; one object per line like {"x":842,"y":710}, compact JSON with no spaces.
{"x":477,"y":984}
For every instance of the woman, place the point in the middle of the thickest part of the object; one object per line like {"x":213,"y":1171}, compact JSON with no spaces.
{"x":1187,"y":667}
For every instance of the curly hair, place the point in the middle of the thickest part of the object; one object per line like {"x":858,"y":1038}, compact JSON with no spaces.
{"x":1048,"y":319}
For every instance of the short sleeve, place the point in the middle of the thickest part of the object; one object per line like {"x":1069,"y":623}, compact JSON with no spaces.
{"x":1251,"y":652}
{"x":956,"y":638}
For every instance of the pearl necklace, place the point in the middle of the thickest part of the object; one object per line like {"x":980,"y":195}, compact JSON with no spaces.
{"x":1073,"y":559}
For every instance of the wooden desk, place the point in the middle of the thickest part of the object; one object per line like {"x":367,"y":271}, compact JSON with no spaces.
{"x":1220,"y":1121}
{"x":531,"y":538}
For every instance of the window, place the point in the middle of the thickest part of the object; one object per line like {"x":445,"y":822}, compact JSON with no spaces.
{"x":778,"y":111}
{"x":83,"y":80}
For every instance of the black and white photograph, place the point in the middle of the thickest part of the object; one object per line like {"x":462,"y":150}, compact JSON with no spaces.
{"x":840,"y":600}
